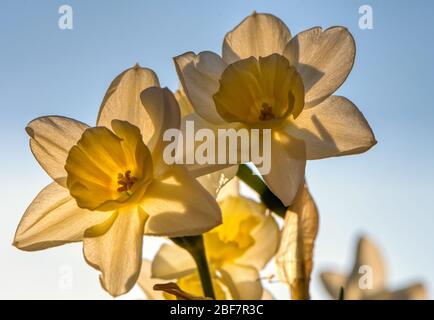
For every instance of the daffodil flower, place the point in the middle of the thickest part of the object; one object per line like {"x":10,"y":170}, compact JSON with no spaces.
{"x":236,"y":251}
{"x":368,"y":278}
{"x":267,"y":79}
{"x":111,"y":185}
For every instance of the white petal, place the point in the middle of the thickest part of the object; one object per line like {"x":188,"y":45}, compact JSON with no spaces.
{"x":172,"y":262}
{"x":267,"y":236}
{"x":288,"y":162}
{"x":179,"y":206}
{"x":259,"y":35}
{"x":231,"y":187}
{"x":199,"y":75}
{"x":194,"y":123}
{"x":147,"y":283}
{"x":221,"y":183}
{"x":333,"y":128}
{"x":184,"y":103}
{"x":51,"y":138}
{"x":53,"y":219}
{"x":118,"y":252}
{"x":324,"y":60}
{"x":164,"y":113}
{"x":122,"y":100}
{"x":243,"y":282}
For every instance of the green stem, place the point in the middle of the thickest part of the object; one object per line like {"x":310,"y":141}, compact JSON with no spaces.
{"x":195,"y":246}
{"x":256,"y":183}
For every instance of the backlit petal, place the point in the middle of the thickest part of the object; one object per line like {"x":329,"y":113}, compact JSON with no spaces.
{"x":231,"y":187}
{"x":221,"y":183}
{"x":258,"y":35}
{"x":243,"y":282}
{"x":163,"y":109}
{"x":51,"y":138}
{"x":53,"y":219}
{"x":179,"y":206}
{"x":333,"y":128}
{"x":172,"y":262}
{"x":184,"y":103}
{"x":199,"y":75}
{"x":324,"y":59}
{"x":122,"y":100}
{"x":147,"y":283}
{"x":118,"y":252}
{"x":288,"y":162}
{"x":192,"y":124}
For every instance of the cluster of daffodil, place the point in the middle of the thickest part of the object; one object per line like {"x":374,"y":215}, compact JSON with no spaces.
{"x":111,"y":185}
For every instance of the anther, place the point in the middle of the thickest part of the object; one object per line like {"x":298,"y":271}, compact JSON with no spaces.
{"x":126,"y":181}
{"x":266,"y":112}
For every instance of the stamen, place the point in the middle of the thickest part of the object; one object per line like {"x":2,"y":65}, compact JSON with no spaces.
{"x":266,"y":112}
{"x":126,"y":181}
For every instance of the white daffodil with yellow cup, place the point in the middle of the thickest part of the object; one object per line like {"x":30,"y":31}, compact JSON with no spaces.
{"x":237,"y":250}
{"x":111,"y":185}
{"x":268,"y":79}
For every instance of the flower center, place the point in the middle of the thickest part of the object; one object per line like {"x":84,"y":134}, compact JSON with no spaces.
{"x":125,"y":182}
{"x":262,"y":92}
{"x":108,"y":169}
{"x":266,"y":112}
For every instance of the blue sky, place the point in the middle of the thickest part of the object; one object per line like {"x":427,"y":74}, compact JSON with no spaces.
{"x":386,"y":193}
